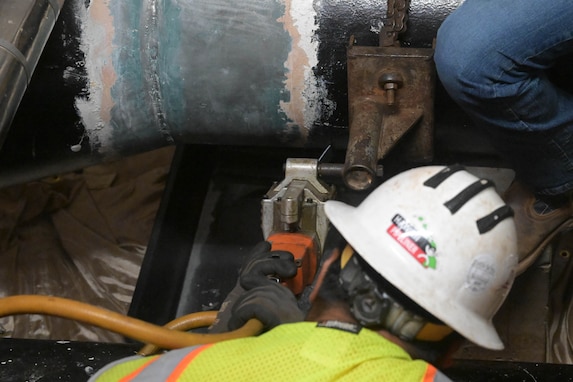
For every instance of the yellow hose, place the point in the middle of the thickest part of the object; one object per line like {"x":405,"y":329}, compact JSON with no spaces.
{"x":192,"y":321}
{"x":183,"y":323}
{"x":139,"y":330}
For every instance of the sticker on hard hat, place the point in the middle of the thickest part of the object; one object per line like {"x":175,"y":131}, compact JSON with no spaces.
{"x":480,"y":273}
{"x":414,"y":240}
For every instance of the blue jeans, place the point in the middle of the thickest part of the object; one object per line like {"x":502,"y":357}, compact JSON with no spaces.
{"x":492,"y":57}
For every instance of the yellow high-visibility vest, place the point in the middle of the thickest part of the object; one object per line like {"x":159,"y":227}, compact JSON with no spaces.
{"x":304,"y":351}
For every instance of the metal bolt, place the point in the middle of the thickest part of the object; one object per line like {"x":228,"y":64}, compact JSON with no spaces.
{"x":390,"y":82}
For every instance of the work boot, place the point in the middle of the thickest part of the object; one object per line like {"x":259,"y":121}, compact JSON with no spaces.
{"x":535,"y":227}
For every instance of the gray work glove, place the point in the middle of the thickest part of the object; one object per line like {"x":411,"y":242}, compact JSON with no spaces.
{"x":262,"y":268}
{"x":272,"y":304}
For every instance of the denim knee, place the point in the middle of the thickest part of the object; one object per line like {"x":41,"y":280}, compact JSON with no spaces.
{"x":465,"y":62}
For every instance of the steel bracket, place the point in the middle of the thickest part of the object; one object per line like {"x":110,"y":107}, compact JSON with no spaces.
{"x":391,"y":98}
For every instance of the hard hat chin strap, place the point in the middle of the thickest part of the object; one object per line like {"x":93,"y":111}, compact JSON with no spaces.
{"x":375,"y":308}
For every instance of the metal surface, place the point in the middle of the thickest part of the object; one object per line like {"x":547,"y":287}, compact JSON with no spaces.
{"x":294,"y":220}
{"x":391,"y":97}
{"x":207,"y":71}
{"x":120,"y":77}
{"x":297,"y":202}
{"x":25,"y":26}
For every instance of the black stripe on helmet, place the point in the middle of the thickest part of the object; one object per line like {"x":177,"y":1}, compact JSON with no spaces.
{"x":465,"y":195}
{"x":444,"y":174}
{"x":489,"y":222}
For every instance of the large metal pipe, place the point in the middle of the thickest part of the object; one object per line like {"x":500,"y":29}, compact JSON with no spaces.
{"x":25,"y":26}
{"x":210,"y":71}
{"x":202,"y":71}
{"x":149,"y":73}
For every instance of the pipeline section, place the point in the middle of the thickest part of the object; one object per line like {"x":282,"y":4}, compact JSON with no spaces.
{"x":25,"y":26}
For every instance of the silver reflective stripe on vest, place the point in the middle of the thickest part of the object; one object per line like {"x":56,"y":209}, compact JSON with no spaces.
{"x":441,"y":377}
{"x":109,"y":366}
{"x":162,"y":369}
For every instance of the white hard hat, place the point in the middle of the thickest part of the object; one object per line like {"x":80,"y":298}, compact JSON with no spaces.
{"x":444,"y":238}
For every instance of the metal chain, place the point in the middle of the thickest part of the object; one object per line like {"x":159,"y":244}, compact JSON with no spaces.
{"x":395,"y":22}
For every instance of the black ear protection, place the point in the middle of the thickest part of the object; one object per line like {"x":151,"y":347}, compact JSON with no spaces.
{"x":374,"y":307}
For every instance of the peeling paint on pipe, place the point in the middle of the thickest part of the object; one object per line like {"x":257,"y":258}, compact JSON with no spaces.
{"x":200,"y":70}
{"x":210,"y":71}
{"x":151,"y":73}
{"x":25,"y":26}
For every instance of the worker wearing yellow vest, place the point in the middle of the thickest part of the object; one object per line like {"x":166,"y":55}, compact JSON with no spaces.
{"x":428,"y":256}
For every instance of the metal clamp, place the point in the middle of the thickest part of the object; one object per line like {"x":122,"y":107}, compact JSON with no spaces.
{"x":296,"y":204}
